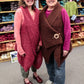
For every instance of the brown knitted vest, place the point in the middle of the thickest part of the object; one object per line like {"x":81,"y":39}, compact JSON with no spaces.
{"x":52,"y":34}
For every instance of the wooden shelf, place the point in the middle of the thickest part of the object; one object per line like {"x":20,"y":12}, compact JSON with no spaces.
{"x":73,"y":45}
{"x":80,"y":7}
{"x":7,"y":32}
{"x":76,"y":38}
{"x":77,"y":23}
{"x":79,"y":15}
{"x":7,"y":41}
{"x":76,"y":31}
{"x":40,"y":8}
{"x":7,"y":51}
{"x":5,"y":60}
{"x":7,"y":11}
{"x":6,"y":22}
{"x":76,"y":45}
{"x":7,"y":0}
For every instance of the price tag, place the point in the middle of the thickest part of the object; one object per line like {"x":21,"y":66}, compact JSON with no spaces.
{"x":73,"y":17}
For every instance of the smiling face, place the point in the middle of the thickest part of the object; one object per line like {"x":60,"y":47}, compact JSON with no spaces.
{"x":29,"y":2}
{"x":51,"y":3}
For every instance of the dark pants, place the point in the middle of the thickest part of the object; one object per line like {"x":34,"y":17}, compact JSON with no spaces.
{"x":56,"y":74}
{"x":25,"y":74}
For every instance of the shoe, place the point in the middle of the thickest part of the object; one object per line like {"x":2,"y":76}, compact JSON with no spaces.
{"x":49,"y":82}
{"x":38,"y":79}
{"x":28,"y":82}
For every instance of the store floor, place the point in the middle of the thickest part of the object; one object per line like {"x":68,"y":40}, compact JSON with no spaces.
{"x":10,"y":73}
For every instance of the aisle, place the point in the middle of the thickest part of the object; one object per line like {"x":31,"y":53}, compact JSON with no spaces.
{"x":10,"y":73}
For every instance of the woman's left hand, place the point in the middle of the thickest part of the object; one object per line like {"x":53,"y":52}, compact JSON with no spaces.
{"x":65,"y":52}
{"x":38,"y":48}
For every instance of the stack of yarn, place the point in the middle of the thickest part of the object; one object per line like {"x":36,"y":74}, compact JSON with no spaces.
{"x":7,"y":17}
{"x":7,"y":46}
{"x":62,"y":3}
{"x":81,"y":11}
{"x":10,"y":45}
{"x":82,"y":27}
{"x":14,"y":5}
{"x":78,"y":35}
{"x":0,"y":7}
{"x":5,"y":6}
{"x":7,"y":28}
{"x":2,"y":47}
{"x":43,"y":3}
{"x":6,"y":37}
{"x":75,"y":28}
{"x":78,"y":20}
{"x":0,"y":18}
{"x":5,"y":55}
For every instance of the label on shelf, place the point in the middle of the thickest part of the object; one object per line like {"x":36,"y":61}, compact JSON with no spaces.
{"x":13,"y":56}
{"x":73,"y":17}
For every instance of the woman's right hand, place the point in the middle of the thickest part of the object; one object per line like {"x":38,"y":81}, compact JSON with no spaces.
{"x":21,"y":51}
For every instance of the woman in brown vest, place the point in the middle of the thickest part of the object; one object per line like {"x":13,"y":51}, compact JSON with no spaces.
{"x":55,"y":34}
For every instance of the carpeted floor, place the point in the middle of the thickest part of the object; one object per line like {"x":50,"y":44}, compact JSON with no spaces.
{"x":10,"y":73}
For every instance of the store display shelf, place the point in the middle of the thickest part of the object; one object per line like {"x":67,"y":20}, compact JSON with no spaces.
{"x":77,"y":45}
{"x":7,"y":51}
{"x":77,"y":23}
{"x":7,"y":0}
{"x":7,"y":41}
{"x":75,"y":31}
{"x":7,"y":11}
{"x":7,"y":32}
{"x":79,"y":15}
{"x":5,"y":60}
{"x":76,"y":38}
{"x":81,"y":7}
{"x":40,"y":8}
{"x":6,"y":22}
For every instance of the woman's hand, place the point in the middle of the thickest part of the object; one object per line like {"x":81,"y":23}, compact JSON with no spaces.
{"x":38,"y":48}
{"x":65,"y":52}
{"x":21,"y":51}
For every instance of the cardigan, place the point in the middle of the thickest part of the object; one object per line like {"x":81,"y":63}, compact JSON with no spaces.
{"x":71,"y":8}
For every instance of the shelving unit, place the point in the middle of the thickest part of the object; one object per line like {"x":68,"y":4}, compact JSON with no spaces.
{"x":6,"y":23}
{"x":77,"y":41}
{"x":6,"y":51}
{"x":5,"y":60}
{"x":79,"y":15}
{"x":7,"y":41}
{"x":80,"y":7}
{"x":7,"y":12}
{"x":77,"y":23}
{"x":8,"y":0}
{"x":7,"y":32}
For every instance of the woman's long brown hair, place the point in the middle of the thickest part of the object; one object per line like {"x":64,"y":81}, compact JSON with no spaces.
{"x":22,"y":3}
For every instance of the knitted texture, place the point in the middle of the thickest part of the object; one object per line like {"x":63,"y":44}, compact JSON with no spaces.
{"x":71,"y":8}
{"x":66,"y":22}
{"x":29,"y":39}
{"x":48,"y":28}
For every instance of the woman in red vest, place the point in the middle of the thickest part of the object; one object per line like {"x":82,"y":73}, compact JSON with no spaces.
{"x":55,"y":34}
{"x":26,"y":31}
